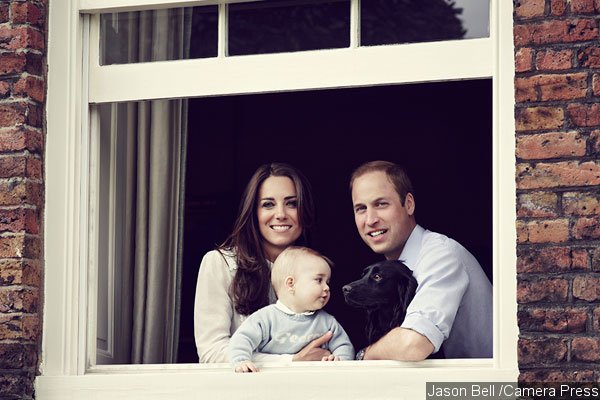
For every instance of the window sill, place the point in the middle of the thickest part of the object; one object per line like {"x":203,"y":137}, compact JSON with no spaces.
{"x":347,"y":379}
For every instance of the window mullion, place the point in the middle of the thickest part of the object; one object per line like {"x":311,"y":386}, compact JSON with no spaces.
{"x":223,"y":30}
{"x":354,"y":24}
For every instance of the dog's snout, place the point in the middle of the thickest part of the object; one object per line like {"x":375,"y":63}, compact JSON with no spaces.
{"x":346,"y":289}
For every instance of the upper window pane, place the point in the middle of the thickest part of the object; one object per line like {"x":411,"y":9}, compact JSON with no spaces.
{"x":277,"y":26}
{"x":158,"y":35}
{"x":400,"y":21}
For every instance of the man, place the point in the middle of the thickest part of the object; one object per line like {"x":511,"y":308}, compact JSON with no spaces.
{"x":453,"y":302}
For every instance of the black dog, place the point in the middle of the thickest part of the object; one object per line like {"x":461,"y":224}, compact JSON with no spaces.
{"x":384,"y":291}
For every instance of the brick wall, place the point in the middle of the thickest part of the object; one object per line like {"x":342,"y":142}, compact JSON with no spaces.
{"x":22,"y":93}
{"x":557,"y":88}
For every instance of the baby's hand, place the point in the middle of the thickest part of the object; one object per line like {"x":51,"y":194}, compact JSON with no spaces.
{"x":330,"y":357}
{"x":246,"y":366}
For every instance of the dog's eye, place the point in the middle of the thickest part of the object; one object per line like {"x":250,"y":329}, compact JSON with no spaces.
{"x":376,"y":277}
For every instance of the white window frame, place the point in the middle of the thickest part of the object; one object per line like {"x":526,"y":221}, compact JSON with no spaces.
{"x":74,"y":81}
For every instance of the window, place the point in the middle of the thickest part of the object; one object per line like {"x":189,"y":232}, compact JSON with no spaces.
{"x":272,"y":77}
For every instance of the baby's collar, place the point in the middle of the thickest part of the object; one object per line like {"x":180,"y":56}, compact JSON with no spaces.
{"x":287,"y":310}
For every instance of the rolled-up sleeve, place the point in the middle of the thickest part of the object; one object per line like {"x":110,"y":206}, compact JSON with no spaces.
{"x":442,"y":281}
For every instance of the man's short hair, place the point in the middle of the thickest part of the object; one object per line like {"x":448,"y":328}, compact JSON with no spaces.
{"x":286,"y":263}
{"x":395,"y":173}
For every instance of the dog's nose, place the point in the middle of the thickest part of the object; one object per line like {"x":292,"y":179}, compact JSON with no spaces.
{"x":347,"y":289}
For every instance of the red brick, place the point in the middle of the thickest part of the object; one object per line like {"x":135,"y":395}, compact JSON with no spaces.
{"x":4,"y":13}
{"x":525,"y":9}
{"x":30,"y":86}
{"x":22,"y":37}
{"x":27,"y":13}
{"x":596,"y":259}
{"x":19,"y":139}
{"x":20,"y":246}
{"x":554,"y":60}
{"x":13,"y":114}
{"x":550,"y":145}
{"x":571,"y":320}
{"x":596,"y":85}
{"x":535,"y":118}
{"x":547,"y":231}
{"x":597,"y":319}
{"x":17,"y":356}
{"x":560,"y":376}
{"x":525,"y":90}
{"x":555,"y":31}
{"x":20,"y":272}
{"x":20,"y":166}
{"x":524,"y":59}
{"x":563,"y":87}
{"x":586,"y":228}
{"x":19,"y":327}
{"x":584,"y":114}
{"x":4,"y":89}
{"x":589,"y":57}
{"x":15,"y":386}
{"x":558,"y":7}
{"x":547,"y":290}
{"x":12,"y":63}
{"x":18,"y":300}
{"x":542,"y":351}
{"x":560,"y":174}
{"x":577,"y":203}
{"x":547,"y":259}
{"x":586,"y":287}
{"x":582,"y":6}
{"x":537,"y":204}
{"x":595,"y":142}
{"x":585,"y":349}
{"x":581,"y":259}
{"x":551,"y":87}
{"x":20,"y":220}
{"x":14,"y":192}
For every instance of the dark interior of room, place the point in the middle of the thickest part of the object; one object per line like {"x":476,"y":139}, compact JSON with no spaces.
{"x":440,"y":132}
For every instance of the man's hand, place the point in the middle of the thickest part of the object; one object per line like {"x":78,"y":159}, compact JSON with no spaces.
{"x":313,"y":350}
{"x":400,"y":344}
{"x":246,"y":366}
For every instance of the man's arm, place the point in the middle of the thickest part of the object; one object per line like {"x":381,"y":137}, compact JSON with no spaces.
{"x":400,"y":344}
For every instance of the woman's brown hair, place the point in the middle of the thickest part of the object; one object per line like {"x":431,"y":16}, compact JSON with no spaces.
{"x":251,"y":283}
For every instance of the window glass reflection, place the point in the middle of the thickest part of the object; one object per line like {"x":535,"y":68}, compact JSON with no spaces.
{"x":288,"y":25}
{"x":413,"y":21}
{"x":158,"y":35}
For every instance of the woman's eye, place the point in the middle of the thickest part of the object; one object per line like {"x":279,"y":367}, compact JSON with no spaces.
{"x":292,"y":203}
{"x":267,"y":204}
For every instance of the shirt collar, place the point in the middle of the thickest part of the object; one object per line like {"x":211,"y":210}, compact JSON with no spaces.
{"x":412,"y":247}
{"x":287,"y":310}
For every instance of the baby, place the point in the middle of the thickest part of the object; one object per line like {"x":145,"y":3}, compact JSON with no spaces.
{"x":300,"y":277}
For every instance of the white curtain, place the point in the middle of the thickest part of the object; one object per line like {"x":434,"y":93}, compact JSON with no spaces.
{"x":150,"y":137}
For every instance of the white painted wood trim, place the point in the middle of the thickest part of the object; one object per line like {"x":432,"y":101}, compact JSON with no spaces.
{"x":64,"y":374}
{"x":364,"y":66}
{"x":104,"y":6}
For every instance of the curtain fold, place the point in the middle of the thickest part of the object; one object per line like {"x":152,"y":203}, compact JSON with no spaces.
{"x":151,"y":136}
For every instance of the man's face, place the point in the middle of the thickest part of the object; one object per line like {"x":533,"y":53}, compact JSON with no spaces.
{"x":381,"y":219}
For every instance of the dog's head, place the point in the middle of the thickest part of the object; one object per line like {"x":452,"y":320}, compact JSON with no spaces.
{"x":384,"y":284}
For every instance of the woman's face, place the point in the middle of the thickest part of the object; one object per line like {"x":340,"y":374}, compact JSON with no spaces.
{"x":278,"y":215}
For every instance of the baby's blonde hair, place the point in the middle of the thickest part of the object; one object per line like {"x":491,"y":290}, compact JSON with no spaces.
{"x":285,"y":264}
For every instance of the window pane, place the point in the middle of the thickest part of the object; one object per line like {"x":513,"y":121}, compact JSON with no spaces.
{"x":159,"y":35}
{"x":401,"y":21}
{"x":288,"y":25}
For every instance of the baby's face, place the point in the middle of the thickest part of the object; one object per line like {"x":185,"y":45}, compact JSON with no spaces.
{"x":311,"y":287}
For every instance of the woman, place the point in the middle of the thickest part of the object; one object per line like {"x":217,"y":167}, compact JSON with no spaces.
{"x":234,"y":280}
